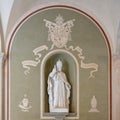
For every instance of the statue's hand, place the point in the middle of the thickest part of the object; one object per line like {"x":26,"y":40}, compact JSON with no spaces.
{"x":53,"y":72}
{"x":54,"y":69}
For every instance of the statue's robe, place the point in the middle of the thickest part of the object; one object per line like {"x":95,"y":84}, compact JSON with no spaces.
{"x":58,"y":90}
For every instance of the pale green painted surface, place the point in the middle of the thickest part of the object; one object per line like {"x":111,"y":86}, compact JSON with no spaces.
{"x":87,"y":36}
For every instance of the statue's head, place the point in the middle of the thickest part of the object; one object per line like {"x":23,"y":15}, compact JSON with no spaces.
{"x":59,"y":65}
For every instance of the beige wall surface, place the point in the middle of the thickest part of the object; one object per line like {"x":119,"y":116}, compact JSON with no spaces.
{"x":105,"y":12}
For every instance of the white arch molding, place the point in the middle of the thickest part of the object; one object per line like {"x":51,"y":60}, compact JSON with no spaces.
{"x":58,"y":51}
{"x":36,"y":10}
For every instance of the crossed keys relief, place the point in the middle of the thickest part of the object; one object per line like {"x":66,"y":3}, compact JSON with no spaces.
{"x":59,"y":34}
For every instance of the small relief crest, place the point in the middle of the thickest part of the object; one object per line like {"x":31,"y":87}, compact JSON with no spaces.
{"x":60,"y":32}
{"x":93,"y":105}
{"x":24,"y":104}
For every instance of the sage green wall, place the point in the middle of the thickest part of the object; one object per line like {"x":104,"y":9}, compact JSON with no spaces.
{"x":87,"y":36}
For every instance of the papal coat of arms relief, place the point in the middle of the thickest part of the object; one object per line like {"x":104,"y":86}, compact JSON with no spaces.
{"x":59,"y":34}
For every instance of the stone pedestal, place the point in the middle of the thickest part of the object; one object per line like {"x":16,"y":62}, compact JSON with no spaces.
{"x":60,"y":110}
{"x":59,"y":116}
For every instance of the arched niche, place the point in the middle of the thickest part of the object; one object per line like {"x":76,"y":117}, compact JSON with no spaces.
{"x":70,"y":68}
{"x":87,"y":35}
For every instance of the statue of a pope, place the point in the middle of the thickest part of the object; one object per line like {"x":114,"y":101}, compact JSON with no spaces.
{"x":58,"y":89}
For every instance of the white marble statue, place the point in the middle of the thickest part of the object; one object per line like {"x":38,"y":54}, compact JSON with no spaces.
{"x":58,"y":89}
